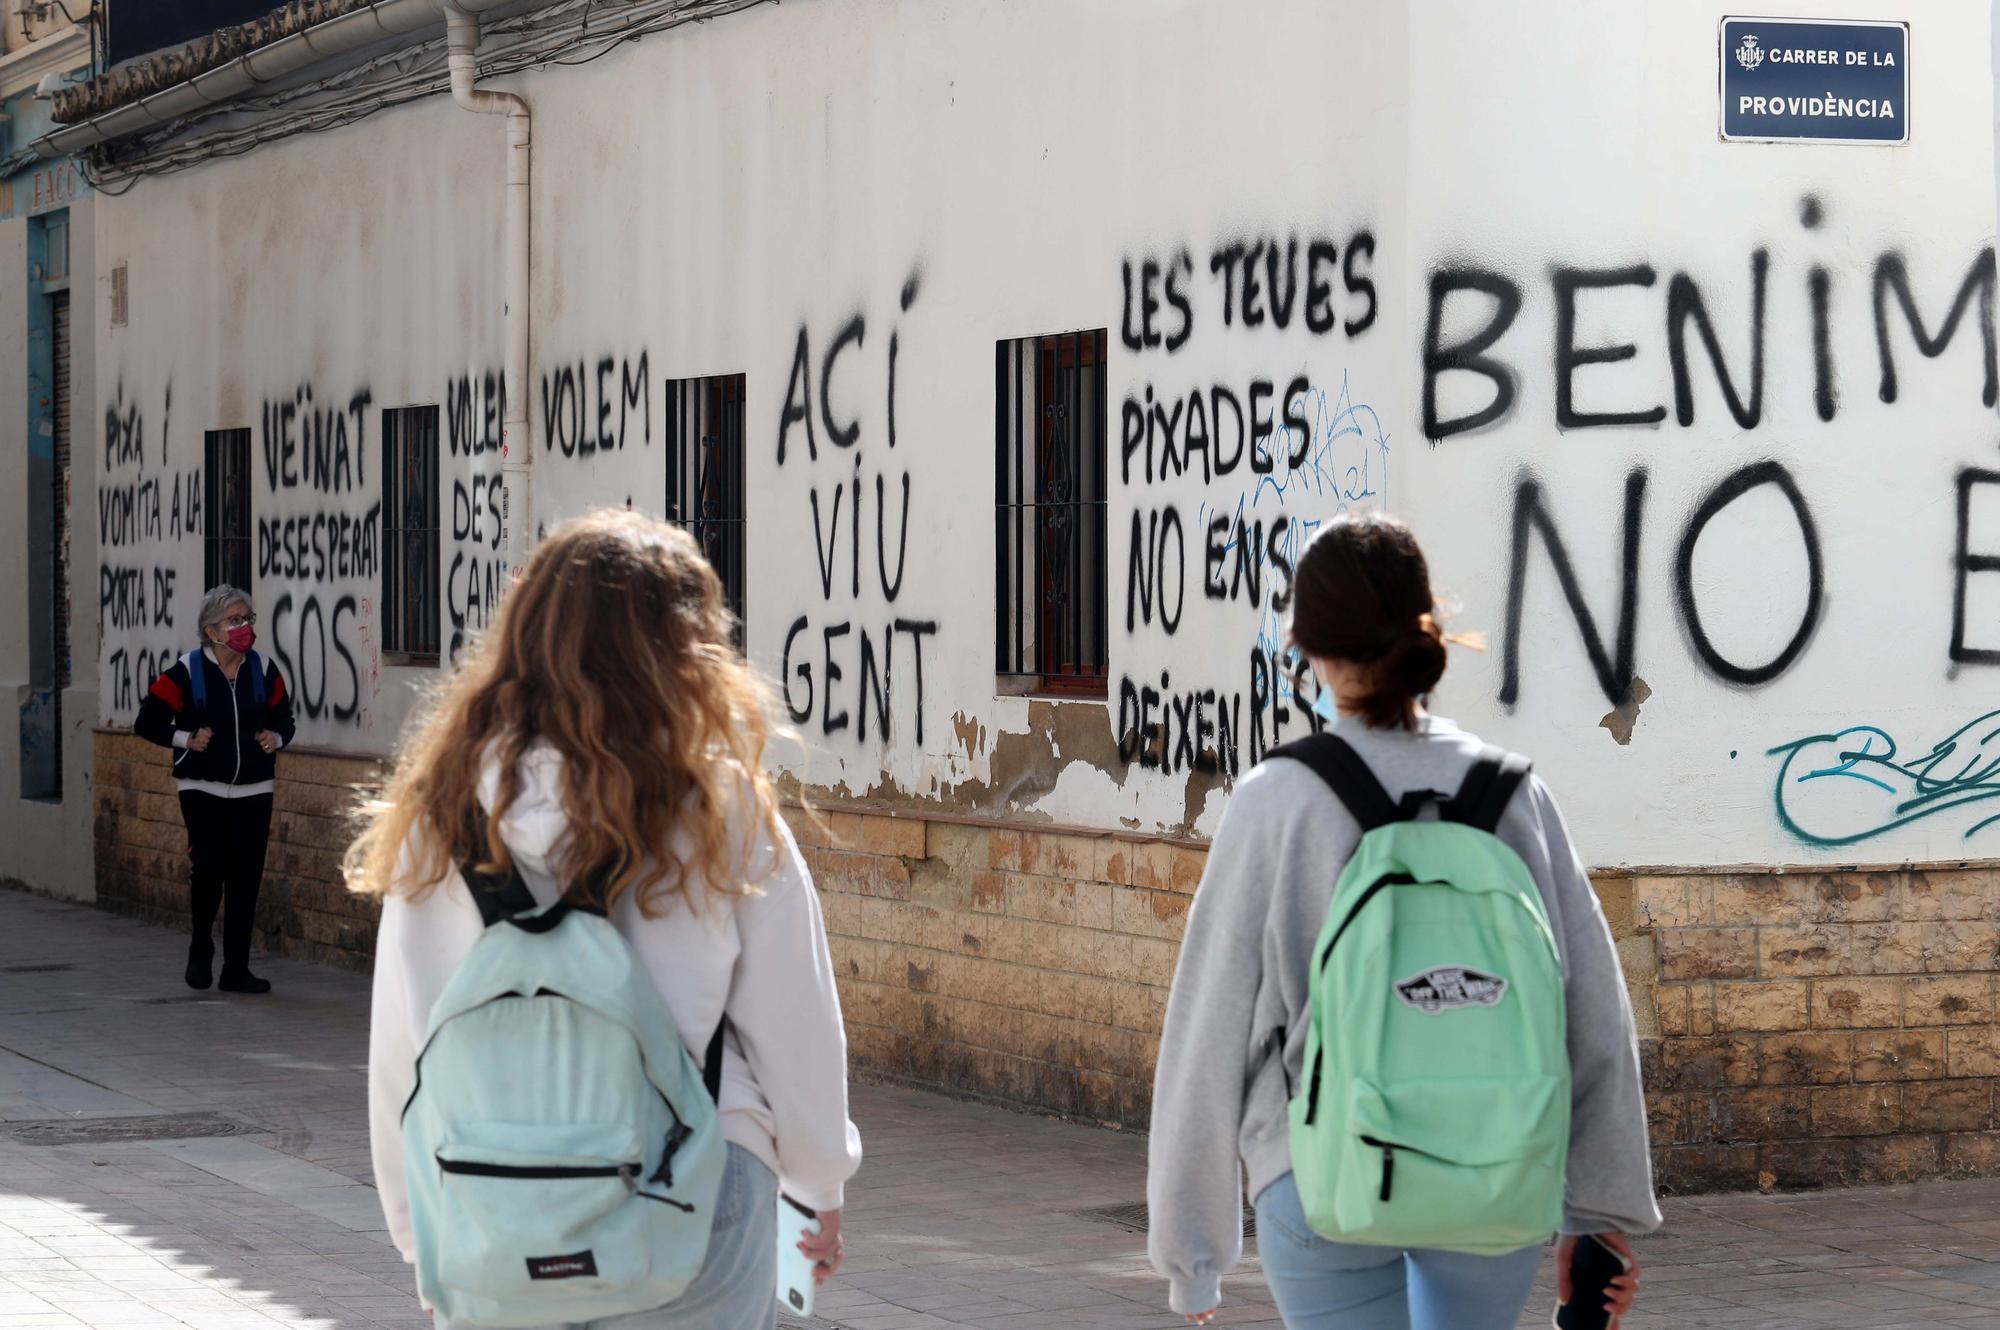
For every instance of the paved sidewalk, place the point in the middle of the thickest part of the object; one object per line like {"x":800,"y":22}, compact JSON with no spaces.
{"x":964,"y":1216}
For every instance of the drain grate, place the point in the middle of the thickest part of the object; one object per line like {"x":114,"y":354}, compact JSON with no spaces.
{"x":1133,"y":1218}
{"x":114,"y":1131}
{"x":54,"y":968}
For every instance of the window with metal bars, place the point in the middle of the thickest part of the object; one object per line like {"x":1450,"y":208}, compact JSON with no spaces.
{"x":705,"y":475}
{"x":412,"y":607}
{"x":1051,"y":622}
{"x":226,"y":492}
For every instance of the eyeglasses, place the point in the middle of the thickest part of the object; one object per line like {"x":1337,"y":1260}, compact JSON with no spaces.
{"x":235,"y":621}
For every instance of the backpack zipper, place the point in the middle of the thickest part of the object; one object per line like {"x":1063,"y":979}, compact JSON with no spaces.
{"x":629,"y":1173}
{"x":1388,"y":1149}
{"x":1319,"y":1053}
{"x":677,"y":1135}
{"x":1388,"y":1163}
{"x":540,"y":1172}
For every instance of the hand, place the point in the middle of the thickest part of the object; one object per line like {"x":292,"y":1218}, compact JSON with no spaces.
{"x":198,"y":742}
{"x":1621,"y":1293}
{"x":824,"y":1248}
{"x":267,"y":741}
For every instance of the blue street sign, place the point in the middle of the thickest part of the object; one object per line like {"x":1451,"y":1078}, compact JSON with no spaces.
{"x":1815,"y":81}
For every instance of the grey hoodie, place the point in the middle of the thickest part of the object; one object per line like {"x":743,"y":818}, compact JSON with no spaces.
{"x":1218,"y":1096}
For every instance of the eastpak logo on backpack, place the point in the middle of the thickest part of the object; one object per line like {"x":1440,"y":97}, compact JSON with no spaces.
{"x":562,"y":1267}
{"x":1451,"y":988}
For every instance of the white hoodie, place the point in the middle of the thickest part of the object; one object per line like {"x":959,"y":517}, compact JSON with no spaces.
{"x":761,"y":959}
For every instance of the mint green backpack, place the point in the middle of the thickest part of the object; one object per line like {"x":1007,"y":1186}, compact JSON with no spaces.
{"x":1434,"y":1109}
{"x":561,"y":1145}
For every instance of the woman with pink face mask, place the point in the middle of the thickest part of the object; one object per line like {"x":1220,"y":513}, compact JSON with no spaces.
{"x":225,"y":711}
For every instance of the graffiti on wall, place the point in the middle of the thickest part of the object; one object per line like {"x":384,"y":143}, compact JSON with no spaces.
{"x":319,"y":553}
{"x":315,"y":548}
{"x":595,"y":408}
{"x":146,"y":508}
{"x":1857,"y":784}
{"x":316,"y":539}
{"x":476,"y":568}
{"x":1837,"y":788}
{"x":1231,"y":477}
{"x":852,"y":664}
{"x":1696,"y":354}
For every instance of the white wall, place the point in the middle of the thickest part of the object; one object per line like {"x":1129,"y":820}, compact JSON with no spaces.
{"x":298,"y":294}
{"x":954,"y":174}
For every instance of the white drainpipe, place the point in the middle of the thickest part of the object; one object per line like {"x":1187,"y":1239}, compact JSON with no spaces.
{"x":517,"y":454}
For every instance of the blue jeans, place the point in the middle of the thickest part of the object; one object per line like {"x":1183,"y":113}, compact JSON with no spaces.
{"x":1323,"y":1285}
{"x":737,"y":1288}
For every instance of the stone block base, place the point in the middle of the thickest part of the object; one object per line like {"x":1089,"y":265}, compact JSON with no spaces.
{"x":1822,"y":1028}
{"x":1797,"y":1029}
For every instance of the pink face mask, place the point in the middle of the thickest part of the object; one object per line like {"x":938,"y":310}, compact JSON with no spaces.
{"x":242,"y":639}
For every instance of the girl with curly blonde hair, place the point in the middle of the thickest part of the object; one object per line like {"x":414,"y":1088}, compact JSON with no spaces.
{"x":604,"y":730}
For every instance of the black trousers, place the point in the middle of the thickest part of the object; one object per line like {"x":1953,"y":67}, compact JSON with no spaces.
{"x":226,"y":840}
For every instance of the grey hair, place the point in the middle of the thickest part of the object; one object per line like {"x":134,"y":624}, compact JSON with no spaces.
{"x":216,"y":604}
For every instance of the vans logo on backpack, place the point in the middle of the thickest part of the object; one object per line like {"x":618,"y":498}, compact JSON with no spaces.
{"x":562,"y":1267}
{"x":1451,"y":988}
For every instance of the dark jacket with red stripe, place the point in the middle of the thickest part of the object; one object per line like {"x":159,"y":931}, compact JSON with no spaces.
{"x":232,"y":756}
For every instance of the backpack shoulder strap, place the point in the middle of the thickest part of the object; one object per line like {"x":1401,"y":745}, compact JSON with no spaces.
{"x":1334,"y":761}
{"x":711,"y":1062}
{"x":197,"y":680}
{"x":1489,"y":787}
{"x":256,"y":664}
{"x":499,"y":896}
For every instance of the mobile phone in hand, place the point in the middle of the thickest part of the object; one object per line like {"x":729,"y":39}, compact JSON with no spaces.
{"x":795,"y":1268}
{"x":1592,"y":1267}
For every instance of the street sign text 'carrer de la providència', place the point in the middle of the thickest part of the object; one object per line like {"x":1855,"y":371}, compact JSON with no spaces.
{"x":1815,"y":81}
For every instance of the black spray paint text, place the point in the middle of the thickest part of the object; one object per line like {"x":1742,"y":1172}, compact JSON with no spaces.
{"x":1496,"y":299}
{"x":593,"y":408}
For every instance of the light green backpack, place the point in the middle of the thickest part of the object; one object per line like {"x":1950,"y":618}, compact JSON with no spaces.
{"x":1434,"y":1109}
{"x":561,"y":1146}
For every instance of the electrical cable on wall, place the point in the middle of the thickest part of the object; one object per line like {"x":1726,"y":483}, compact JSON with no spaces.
{"x":550,"y":37}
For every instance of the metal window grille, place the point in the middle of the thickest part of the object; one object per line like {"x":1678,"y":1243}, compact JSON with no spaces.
{"x":412,"y":607}
{"x":705,"y":475}
{"x":1051,"y":623}
{"x":226,"y":492}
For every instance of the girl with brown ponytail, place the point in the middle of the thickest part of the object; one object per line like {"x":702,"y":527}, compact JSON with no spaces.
{"x":1235,"y":1034}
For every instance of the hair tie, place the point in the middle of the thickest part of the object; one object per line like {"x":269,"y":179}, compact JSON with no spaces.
{"x":1470,"y":641}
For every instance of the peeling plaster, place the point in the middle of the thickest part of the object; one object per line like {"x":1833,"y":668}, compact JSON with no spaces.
{"x":1621,"y":720}
{"x":1032,"y":774}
